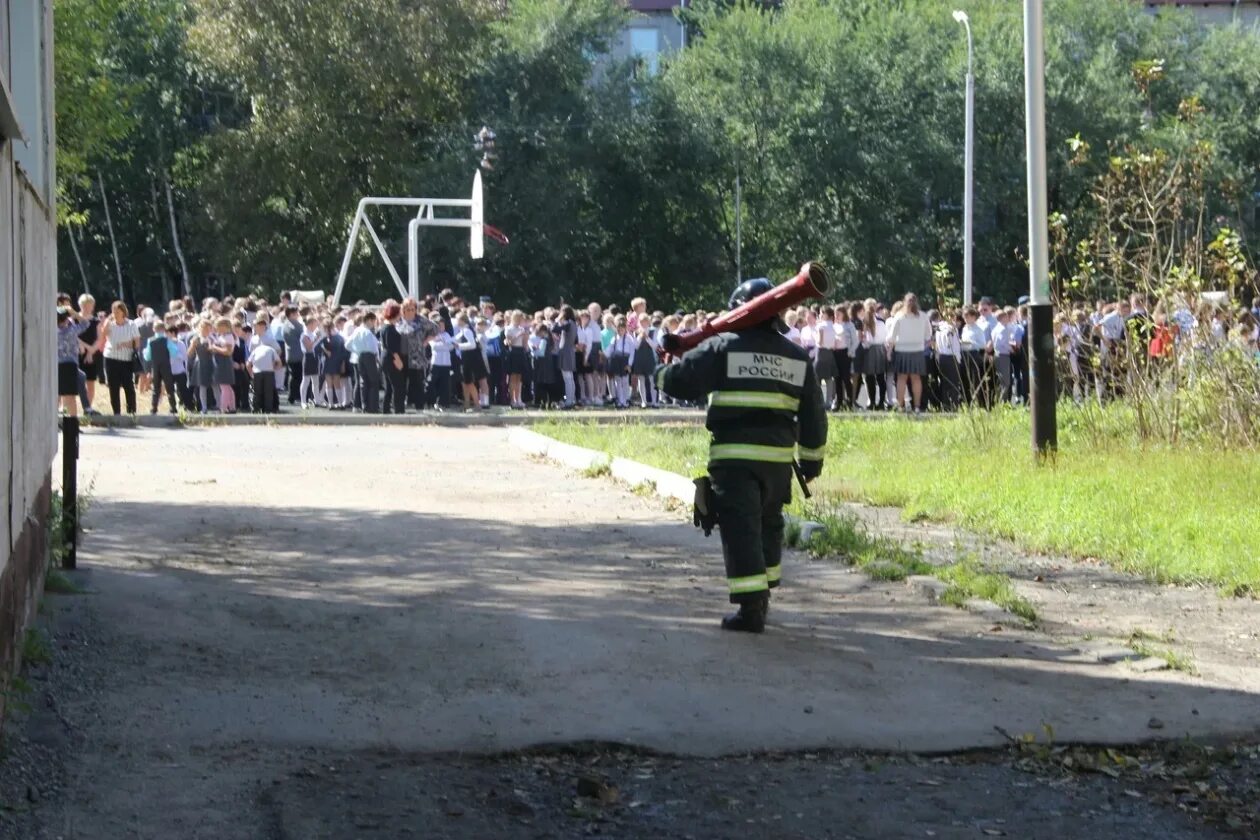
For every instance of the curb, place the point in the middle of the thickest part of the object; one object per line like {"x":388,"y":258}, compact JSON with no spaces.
{"x":496,"y":417}
{"x":664,"y":483}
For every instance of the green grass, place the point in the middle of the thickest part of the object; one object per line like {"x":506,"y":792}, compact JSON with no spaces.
{"x":35,"y":648}
{"x":59,"y":583}
{"x":1141,"y":642}
{"x":1181,"y":515}
{"x":967,"y":580}
{"x":847,"y":537}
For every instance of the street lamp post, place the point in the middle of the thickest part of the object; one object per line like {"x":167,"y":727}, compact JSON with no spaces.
{"x":1040,"y":310}
{"x":739,"y":229}
{"x":970,"y":160}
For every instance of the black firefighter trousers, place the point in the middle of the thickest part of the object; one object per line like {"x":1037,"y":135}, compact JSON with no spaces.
{"x":749,"y":499}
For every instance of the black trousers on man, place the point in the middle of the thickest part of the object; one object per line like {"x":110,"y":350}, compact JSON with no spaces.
{"x":498,"y":380}
{"x":295,"y":380}
{"x":949,"y":386}
{"x":369,"y":383}
{"x":750,"y":496}
{"x":975,"y":378}
{"x":264,"y":388}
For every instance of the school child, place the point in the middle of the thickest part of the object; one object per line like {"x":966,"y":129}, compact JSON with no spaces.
{"x":472,"y":364}
{"x":365,"y":351}
{"x":643,"y":365}
{"x":516,"y":337}
{"x":619,"y":358}
{"x":180,"y":366}
{"x":263,"y":361}
{"x":1001,"y":342}
{"x":441,"y":345}
{"x":331,"y":351}
{"x":542,"y":353}
{"x":875,"y":364}
{"x":973,"y":341}
{"x":222,"y":345}
{"x":240,"y":354}
{"x":159,"y":352}
{"x":203,"y":357}
{"x":857,"y":354}
{"x":948,"y":361}
{"x":310,"y":363}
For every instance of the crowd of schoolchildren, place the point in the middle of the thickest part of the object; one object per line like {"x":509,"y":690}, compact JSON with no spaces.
{"x":246,"y":354}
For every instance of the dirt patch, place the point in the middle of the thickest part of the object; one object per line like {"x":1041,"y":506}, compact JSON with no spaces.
{"x":1082,"y":602}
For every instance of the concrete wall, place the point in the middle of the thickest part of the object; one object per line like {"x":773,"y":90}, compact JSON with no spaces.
{"x":28,"y":271}
{"x":1215,"y":12}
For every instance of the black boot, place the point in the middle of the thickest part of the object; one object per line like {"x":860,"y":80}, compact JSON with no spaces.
{"x":751,"y":617}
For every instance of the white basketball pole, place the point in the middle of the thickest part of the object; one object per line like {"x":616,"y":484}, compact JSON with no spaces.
{"x":426,"y":217}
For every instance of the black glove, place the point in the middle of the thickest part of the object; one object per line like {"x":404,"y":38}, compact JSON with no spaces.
{"x":703,"y":513}
{"x":811,"y":470}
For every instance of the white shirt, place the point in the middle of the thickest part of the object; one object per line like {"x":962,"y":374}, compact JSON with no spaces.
{"x":1002,"y":335}
{"x":118,"y":341}
{"x":592,"y":337}
{"x":826,"y":335}
{"x":909,"y":333}
{"x":442,"y":344}
{"x":263,"y":357}
{"x":974,"y":337}
{"x":947,"y":343}
{"x":988,"y":323}
{"x":1113,"y":326}
{"x":515,"y":336}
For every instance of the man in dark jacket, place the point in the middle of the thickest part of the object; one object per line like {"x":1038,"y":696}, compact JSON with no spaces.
{"x":765,"y":412}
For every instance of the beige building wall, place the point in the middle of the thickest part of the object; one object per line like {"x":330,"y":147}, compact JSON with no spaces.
{"x":28,"y":271}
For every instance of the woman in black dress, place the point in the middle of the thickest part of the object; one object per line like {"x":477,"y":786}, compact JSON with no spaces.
{"x":394,"y":356}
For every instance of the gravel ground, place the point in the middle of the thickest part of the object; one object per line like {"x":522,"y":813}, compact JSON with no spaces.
{"x":255,"y":790}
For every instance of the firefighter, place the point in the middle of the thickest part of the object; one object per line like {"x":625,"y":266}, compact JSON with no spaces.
{"x":765,"y":414}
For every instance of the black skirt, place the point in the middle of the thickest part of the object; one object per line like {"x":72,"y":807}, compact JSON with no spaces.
{"x":912,"y":363}
{"x":472,"y":366}
{"x":517,"y":361}
{"x":644,"y":363}
{"x":825,"y":364}
{"x":67,"y":379}
{"x":875,"y":363}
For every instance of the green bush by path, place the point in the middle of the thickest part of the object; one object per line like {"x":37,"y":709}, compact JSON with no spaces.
{"x":1179,"y":515}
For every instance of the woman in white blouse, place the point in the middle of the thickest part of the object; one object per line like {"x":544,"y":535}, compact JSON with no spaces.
{"x":909,"y":333}
{"x":122,"y":341}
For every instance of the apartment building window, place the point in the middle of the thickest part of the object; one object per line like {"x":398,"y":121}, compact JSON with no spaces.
{"x":645,"y":45}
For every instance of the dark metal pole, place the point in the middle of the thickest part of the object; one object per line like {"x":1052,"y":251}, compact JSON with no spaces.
{"x":70,"y":489}
{"x":1043,"y":392}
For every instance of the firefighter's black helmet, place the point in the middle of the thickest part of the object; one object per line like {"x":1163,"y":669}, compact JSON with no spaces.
{"x":748,"y":290}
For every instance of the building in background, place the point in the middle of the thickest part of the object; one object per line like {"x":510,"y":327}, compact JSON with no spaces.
{"x":653,"y":32}
{"x":1246,"y":12}
{"x":28,"y":271}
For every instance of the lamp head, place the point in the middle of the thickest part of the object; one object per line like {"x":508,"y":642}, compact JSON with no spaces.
{"x":960,"y":16}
